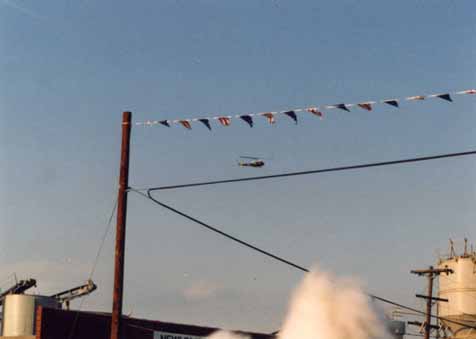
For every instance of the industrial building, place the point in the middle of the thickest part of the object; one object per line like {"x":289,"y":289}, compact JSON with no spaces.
{"x":24,"y":320}
{"x":46,"y":321}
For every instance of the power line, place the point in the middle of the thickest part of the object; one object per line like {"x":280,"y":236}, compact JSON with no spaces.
{"x":211,"y":228}
{"x":275,"y":257}
{"x":332,"y":169}
{"x":103,"y":240}
{"x":93,"y":268}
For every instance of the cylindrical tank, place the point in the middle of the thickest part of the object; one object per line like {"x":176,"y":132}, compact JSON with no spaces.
{"x":19,"y":312}
{"x":459,"y":288}
{"x":18,"y":315}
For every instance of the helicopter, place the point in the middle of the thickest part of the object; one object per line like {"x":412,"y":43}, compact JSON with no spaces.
{"x":253,"y":162}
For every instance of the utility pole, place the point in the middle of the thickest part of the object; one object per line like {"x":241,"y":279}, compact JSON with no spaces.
{"x":121,"y":228}
{"x":430,"y":273}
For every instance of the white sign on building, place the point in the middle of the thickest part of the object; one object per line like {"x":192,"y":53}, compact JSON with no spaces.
{"x":169,"y":335}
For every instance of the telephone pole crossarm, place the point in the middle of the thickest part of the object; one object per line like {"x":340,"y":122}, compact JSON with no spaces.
{"x":430,"y":273}
{"x":432,"y":298}
{"x":420,"y":324}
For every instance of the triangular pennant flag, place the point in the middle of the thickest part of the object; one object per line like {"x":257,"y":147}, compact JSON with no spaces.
{"x":445,"y":96}
{"x":315,"y":111}
{"x":270,"y":117}
{"x":365,"y":105}
{"x":206,"y":122}
{"x":341,"y":106}
{"x":165,"y":123}
{"x":186,"y":124}
{"x":392,"y":102}
{"x":416,"y":97}
{"x":292,"y":115}
{"x":248,"y":119}
{"x":225,"y":121}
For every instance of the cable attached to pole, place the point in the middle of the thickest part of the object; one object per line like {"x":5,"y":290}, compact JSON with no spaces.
{"x":94,"y":265}
{"x":273,"y":256}
{"x":226,"y":235}
{"x":324,"y":170}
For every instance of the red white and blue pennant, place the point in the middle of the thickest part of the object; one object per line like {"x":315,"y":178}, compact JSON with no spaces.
{"x":226,"y":120}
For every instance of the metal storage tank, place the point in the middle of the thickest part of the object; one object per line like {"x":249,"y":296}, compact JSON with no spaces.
{"x":19,"y":311}
{"x":460,"y":290}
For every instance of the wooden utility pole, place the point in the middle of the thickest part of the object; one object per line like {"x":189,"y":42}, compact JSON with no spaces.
{"x":430,"y":274}
{"x":121,"y":228}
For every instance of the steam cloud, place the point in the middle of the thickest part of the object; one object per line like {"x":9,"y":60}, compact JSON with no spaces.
{"x":325,"y":308}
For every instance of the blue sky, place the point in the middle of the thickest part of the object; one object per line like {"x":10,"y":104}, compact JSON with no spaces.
{"x":70,"y":68}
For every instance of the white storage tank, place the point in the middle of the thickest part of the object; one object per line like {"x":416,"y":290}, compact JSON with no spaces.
{"x":460,"y":290}
{"x":19,"y":313}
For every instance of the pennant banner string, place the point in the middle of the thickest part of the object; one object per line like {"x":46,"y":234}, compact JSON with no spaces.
{"x":225,"y":120}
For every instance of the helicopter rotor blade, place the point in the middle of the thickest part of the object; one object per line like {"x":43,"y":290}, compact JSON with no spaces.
{"x":253,"y":158}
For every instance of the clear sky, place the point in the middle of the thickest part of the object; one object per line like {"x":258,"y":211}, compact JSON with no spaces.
{"x":69,"y":68}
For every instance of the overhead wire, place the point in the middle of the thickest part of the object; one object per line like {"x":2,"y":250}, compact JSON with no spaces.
{"x":94,"y":265}
{"x":276,"y":257}
{"x":103,"y":240}
{"x":148,"y":195}
{"x":226,"y":235}
{"x":324,"y":170}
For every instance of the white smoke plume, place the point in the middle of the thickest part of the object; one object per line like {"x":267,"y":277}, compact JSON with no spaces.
{"x":227,"y":335}
{"x":322,"y":307}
